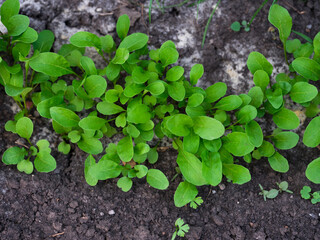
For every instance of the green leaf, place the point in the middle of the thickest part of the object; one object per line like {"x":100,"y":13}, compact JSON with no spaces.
{"x":107,"y":44}
{"x":238,"y":144}
{"x":157,"y":179}
{"x":216,"y":91}
{"x":141,"y":170}
{"x":64,"y":117}
{"x":51,"y":64}
{"x":278,"y":163}
{"x":139,"y":76}
{"x":237,"y":173}
{"x":124,"y":184}
{"x":88,"y":65}
{"x":44,"y":42}
{"x":195,"y":99}
{"x":191,"y":168}
{"x":25,"y":166}
{"x":141,"y":148}
{"x":156,"y":88}
{"x":9,"y":8}
{"x":153,"y":155}
{"x":105,"y":169}
{"x":286,"y":119}
{"x":266,"y":149}
{"x":246,"y":114}
{"x":316,"y":44}
{"x":85,"y":39}
{"x":256,"y":61}
{"x":168,"y":55}
{"x":313,"y":170}
{"x":254,"y":132}
{"x":123,"y":25}
{"x":95,"y":86}
{"x":285,"y":140}
{"x":125,"y":149}
{"x":272,"y":193}
{"x":177,"y":91}
{"x":302,"y":92}
{"x":261,"y":79}
{"x":90,"y":144}
{"x":229,"y":103}
{"x":92,"y":123}
{"x":212,"y":168}
{"x":191,"y":143}
{"x":293,"y":45}
{"x":44,"y":106}
{"x":196,"y":73}
{"x":24,"y":127}
{"x":213,"y":145}
{"x":311,"y":137}
{"x":305,"y":50}
{"x":138,"y":113}
{"x":257,"y":96}
{"x":13,"y":155}
{"x":235,"y":26}
{"x":134,"y":41}
{"x":275,"y":98}
{"x":122,"y":55}
{"x":29,"y":36}
{"x":17,"y":24}
{"x":64,"y":148}
{"x":307,"y":68}
{"x":44,"y":162}
{"x":179,"y":125}
{"x":113,"y":71}
{"x":208,"y":128}
{"x":184,"y":194}
{"x":107,"y":108}
{"x":175,"y":73}
{"x":91,"y":180}
{"x":281,"y":19}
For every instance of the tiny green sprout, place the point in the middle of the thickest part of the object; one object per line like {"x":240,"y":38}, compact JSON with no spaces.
{"x":195,"y":203}
{"x":181,"y":229}
{"x":283,"y":187}
{"x":273,"y":193}
{"x":306,"y":194}
{"x":235,"y":26}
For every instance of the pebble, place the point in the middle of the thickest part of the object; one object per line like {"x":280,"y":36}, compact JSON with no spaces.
{"x":222,"y":186}
{"x":99,"y":10}
{"x":111,"y":212}
{"x":217,"y":220}
{"x":214,"y":191}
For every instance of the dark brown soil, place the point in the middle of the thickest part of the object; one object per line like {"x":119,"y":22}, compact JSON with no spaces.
{"x":60,"y":205}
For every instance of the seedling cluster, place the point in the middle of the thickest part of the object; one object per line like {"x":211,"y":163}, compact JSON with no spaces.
{"x":307,"y":194}
{"x":143,"y":95}
{"x":273,"y":193}
{"x":181,"y":229}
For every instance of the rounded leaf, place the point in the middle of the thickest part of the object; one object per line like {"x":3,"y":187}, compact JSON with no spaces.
{"x":64,"y":117}
{"x":311,"y":137}
{"x":208,"y":128}
{"x":286,"y":119}
{"x":157,"y":179}
{"x":24,"y":127}
{"x":278,"y":163}
{"x":302,"y":92}
{"x":313,"y":171}
{"x":184,"y":194}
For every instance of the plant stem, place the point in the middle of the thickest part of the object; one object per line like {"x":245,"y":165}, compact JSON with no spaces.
{"x":150,"y":9}
{"x":208,"y":23}
{"x":285,"y":53}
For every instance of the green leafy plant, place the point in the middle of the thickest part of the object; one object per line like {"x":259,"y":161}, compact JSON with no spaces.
{"x":307,"y":194}
{"x":273,"y":193}
{"x":181,"y":229}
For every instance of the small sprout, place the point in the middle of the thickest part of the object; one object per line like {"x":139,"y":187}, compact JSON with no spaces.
{"x":235,"y":26}
{"x":305,"y":192}
{"x":181,"y":228}
{"x":283,"y":187}
{"x":273,"y":193}
{"x":195,"y":203}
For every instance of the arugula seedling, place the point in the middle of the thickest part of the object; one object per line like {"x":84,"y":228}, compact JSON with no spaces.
{"x":307,"y":194}
{"x":273,"y":193}
{"x":181,"y":229}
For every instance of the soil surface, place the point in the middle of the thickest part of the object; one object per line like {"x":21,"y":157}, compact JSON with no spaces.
{"x":60,"y":205}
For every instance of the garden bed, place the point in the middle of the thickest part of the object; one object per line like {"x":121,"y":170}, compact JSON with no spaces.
{"x":61,"y":205}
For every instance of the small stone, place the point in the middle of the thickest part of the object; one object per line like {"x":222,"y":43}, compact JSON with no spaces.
{"x":90,"y":232}
{"x":101,"y":214}
{"x":164,"y":211}
{"x":217,"y":220}
{"x":98,"y":10}
{"x":309,"y":26}
{"x":111,"y":212}
{"x":214,"y":191}
{"x":222,"y":186}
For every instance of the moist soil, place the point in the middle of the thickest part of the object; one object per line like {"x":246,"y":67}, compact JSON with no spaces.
{"x":60,"y":205}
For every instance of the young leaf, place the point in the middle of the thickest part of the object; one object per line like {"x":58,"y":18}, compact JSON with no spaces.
{"x":256,"y":61}
{"x":64,"y":117}
{"x":307,"y":68}
{"x":196,"y":73}
{"x":134,"y":41}
{"x":286,"y":119}
{"x":213,"y":145}
{"x":64,"y":148}
{"x":312,"y":172}
{"x":176,"y":91}
{"x":141,"y":170}
{"x":124,"y":183}
{"x":175,"y":73}
{"x":285,"y":140}
{"x":281,"y":19}
{"x":25,"y":166}
{"x":302,"y":92}
{"x":51,"y":64}
{"x":90,"y":144}
{"x":238,"y":144}
{"x":9,"y":8}
{"x":168,"y":55}
{"x":191,"y":168}
{"x":125,"y":149}
{"x":24,"y":127}
{"x":311,"y":137}
{"x":157,"y":179}
{"x":17,"y":24}
{"x":29,"y":36}
{"x":254,"y":132}
{"x":261,"y":79}
{"x":85,"y":39}
{"x":257,"y":96}
{"x":107,"y":108}
{"x":272,"y":193}
{"x":44,"y":162}
{"x":229,"y":103}
{"x":44,"y":42}
{"x":179,"y":124}
{"x":91,"y":180}
{"x":191,"y":143}
{"x":208,"y":128}
{"x":92,"y":123}
{"x":266,"y":149}
{"x":123,"y":25}
{"x":184,"y":194}
{"x":237,"y":173}
{"x":156,"y":88}
{"x":95,"y":86}
{"x":212,"y":168}
{"x":105,"y":169}
{"x":235,"y":26}
{"x":246,"y":114}
{"x":195,"y":99}
{"x":216,"y":91}
{"x":278,"y":163}
{"x":138,"y":113}
{"x":122,"y":55}
{"x":153,"y":155}
{"x":13,"y":155}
